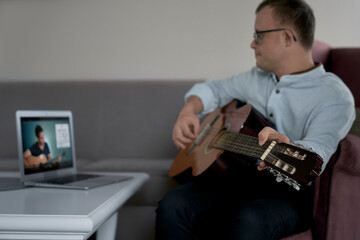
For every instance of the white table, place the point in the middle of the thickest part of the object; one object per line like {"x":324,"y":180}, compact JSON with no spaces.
{"x":46,"y":213}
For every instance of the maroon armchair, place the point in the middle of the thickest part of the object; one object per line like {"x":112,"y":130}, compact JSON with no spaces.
{"x":337,"y":190}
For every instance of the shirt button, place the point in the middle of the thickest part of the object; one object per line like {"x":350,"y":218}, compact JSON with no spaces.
{"x":271,"y":115}
{"x":277,"y":91}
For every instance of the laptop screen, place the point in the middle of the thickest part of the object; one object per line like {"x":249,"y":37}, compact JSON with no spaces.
{"x":46,"y":143}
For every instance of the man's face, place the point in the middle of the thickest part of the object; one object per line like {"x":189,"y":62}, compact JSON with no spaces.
{"x":268,"y":50}
{"x":41,"y":138}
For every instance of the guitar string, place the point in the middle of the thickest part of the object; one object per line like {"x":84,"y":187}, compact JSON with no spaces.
{"x":234,"y":146}
{"x":233,"y":136}
{"x":241,"y":148}
{"x":244,"y":147}
{"x":228,"y":142}
{"x":234,"y":141}
{"x":238,"y":146}
{"x":271,"y":159}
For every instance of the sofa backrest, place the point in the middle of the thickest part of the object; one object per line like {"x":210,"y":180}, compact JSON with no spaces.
{"x":344,"y":62}
{"x":131,"y":119}
{"x":127,"y":118}
{"x":321,"y":52}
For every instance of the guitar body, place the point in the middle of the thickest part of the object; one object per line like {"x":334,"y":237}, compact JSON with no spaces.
{"x":231,"y":117}
{"x":41,"y":161}
{"x":219,"y":134}
{"x":35,"y":161}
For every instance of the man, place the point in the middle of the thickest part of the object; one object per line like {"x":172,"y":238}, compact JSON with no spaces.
{"x":39,"y":152}
{"x":306,"y":105}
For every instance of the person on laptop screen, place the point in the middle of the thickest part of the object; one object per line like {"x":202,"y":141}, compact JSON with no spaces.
{"x":38,"y":155}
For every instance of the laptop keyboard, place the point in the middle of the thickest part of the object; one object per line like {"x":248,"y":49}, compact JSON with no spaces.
{"x":70,"y":179}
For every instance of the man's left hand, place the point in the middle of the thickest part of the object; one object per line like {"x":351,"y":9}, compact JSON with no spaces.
{"x":270,"y":134}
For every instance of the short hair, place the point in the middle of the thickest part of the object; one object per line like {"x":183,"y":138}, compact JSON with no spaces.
{"x":296,"y":14}
{"x":38,"y":130}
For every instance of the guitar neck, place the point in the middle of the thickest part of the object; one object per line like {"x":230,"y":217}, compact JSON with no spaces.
{"x":241,"y":144}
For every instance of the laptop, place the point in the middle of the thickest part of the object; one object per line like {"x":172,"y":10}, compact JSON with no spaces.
{"x":47,"y":152}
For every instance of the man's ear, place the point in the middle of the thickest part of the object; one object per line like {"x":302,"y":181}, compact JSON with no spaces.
{"x":289,"y":38}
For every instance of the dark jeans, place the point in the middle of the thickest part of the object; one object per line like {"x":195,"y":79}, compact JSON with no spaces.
{"x":242,"y":204}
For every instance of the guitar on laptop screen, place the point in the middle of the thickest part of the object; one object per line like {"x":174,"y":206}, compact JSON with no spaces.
{"x":41,"y":161}
{"x":294,"y":165}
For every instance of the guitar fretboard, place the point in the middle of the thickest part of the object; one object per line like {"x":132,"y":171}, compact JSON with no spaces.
{"x":241,"y":144}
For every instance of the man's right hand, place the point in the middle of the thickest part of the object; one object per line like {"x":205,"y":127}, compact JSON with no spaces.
{"x":187,"y":125}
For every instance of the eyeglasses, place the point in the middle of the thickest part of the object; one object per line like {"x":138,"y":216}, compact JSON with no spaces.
{"x":258,"y":35}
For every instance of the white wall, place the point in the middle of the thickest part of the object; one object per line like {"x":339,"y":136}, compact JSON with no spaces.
{"x":144,"y":39}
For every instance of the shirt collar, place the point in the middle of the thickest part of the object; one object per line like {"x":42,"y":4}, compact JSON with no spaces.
{"x":307,"y":75}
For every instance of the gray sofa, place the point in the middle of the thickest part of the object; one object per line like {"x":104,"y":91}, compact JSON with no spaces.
{"x":118,"y":125}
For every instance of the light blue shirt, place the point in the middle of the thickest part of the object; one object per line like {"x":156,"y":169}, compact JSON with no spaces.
{"x":314,"y":109}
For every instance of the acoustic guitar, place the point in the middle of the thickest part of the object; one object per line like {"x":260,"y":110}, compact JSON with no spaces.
{"x":38,"y":162}
{"x":227,"y":129}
